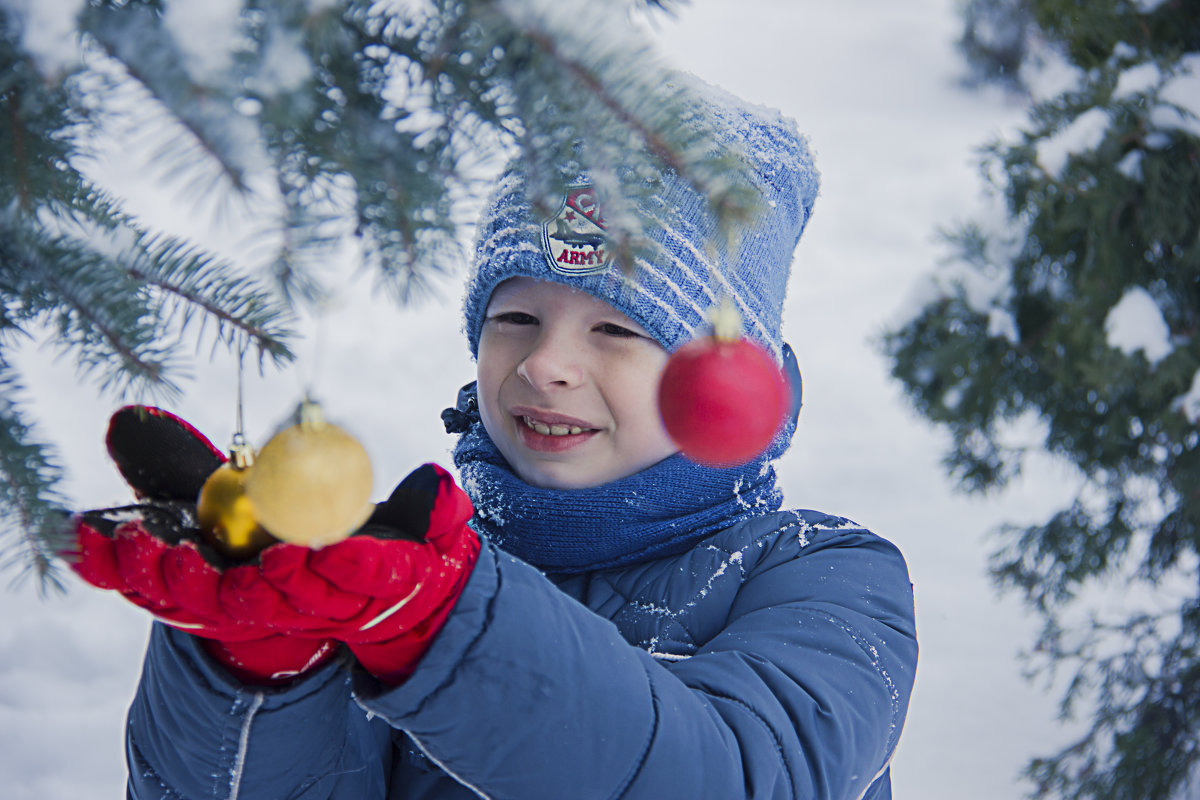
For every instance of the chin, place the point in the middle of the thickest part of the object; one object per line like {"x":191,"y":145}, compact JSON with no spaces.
{"x":559,"y":476}
{"x":543,"y":480}
{"x":575,"y":476}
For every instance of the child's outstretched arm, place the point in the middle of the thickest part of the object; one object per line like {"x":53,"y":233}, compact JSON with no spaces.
{"x":234,"y":698}
{"x":792,"y":682}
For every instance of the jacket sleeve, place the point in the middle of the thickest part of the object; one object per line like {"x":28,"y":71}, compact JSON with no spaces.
{"x":527,"y":693}
{"x":195,"y":732}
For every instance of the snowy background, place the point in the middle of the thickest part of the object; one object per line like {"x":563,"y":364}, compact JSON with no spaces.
{"x":876,"y":85}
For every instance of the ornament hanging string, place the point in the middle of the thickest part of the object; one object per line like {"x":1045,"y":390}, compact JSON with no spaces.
{"x":239,"y":451}
{"x":308,"y":383}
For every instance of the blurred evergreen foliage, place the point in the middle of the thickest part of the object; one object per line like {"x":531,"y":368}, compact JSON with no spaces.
{"x":382,"y":123}
{"x":1017,"y":351}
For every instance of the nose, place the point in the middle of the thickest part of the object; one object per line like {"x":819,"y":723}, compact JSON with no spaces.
{"x":555,"y":361}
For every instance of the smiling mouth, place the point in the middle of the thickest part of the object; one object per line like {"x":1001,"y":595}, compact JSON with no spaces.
{"x":555,"y":429}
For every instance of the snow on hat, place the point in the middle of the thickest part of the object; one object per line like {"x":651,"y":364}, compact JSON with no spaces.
{"x":693,"y":269}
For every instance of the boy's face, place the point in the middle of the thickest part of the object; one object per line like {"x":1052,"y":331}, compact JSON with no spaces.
{"x":568,"y":386}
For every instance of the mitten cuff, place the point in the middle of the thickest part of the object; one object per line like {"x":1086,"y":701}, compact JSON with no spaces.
{"x":272,"y":661}
{"x":394,"y":660}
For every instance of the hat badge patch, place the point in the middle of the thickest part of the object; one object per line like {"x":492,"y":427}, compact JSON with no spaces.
{"x":574,"y":239}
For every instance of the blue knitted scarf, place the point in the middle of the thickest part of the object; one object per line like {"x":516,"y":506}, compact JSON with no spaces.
{"x":662,"y":510}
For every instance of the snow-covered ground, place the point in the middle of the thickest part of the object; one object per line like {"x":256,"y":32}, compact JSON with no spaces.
{"x":875,"y":84}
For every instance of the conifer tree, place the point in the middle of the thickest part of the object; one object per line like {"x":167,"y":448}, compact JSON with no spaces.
{"x":1077,"y":317}
{"x":380,"y":122}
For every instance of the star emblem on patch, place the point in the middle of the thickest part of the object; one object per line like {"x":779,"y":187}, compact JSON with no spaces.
{"x":574,"y":239}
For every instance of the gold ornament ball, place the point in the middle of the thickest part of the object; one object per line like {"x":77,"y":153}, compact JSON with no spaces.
{"x":226,"y":516}
{"x":311,"y":483}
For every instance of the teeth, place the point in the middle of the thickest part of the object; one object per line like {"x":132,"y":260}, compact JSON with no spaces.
{"x":551,"y":430}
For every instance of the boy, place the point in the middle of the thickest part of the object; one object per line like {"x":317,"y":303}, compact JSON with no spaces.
{"x":615,"y":621}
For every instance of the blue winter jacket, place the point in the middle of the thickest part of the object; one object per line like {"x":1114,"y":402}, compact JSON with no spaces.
{"x":774,"y":659}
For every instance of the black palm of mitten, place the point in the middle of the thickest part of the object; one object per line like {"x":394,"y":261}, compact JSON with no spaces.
{"x":159,"y":455}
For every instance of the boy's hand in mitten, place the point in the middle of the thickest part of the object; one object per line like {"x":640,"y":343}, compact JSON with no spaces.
{"x":386,"y":590}
{"x":150,"y":552}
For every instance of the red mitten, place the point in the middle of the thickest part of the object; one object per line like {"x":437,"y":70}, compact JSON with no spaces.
{"x":386,"y":590}
{"x":150,"y":553}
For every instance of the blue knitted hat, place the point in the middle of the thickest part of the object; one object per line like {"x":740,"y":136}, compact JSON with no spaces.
{"x":671,"y":295}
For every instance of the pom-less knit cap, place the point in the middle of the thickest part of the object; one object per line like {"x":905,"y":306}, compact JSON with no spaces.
{"x":693,"y":268}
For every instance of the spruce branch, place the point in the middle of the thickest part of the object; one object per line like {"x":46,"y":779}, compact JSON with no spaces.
{"x":666,"y":6}
{"x":236,"y":303}
{"x":12,"y":100}
{"x":590,"y":81}
{"x":95,"y":336}
{"x":34,"y":516}
{"x":117,"y":295}
{"x":1095,"y":224}
{"x":122,"y":34}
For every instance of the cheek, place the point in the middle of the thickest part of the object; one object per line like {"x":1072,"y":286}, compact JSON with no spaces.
{"x":640,"y":397}
{"x":489,"y":375}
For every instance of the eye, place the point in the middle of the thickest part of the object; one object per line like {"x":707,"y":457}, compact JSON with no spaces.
{"x":514,"y":318}
{"x":612,"y":329}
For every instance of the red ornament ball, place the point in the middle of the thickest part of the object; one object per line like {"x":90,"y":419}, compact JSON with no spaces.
{"x":722,"y":400}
